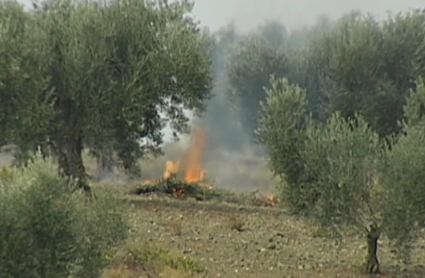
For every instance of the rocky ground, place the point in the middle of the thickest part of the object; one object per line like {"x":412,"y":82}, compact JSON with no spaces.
{"x":231,"y":240}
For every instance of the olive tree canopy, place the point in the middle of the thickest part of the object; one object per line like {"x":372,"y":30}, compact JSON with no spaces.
{"x":341,"y":175}
{"x":102,"y":75}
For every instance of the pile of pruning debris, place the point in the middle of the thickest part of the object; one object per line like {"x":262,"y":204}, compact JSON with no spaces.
{"x":176,"y":188}
{"x":180,"y":189}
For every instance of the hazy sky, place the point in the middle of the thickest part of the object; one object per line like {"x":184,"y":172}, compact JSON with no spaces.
{"x":249,"y":13}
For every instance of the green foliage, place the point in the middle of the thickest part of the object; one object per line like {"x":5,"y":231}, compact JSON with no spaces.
{"x":404,"y":178}
{"x":6,"y":174}
{"x":24,"y":113}
{"x":328,"y":169}
{"x":362,"y":66}
{"x":249,"y":69}
{"x":282,"y":130}
{"x":404,"y":46}
{"x":48,"y":231}
{"x":340,"y":174}
{"x":342,"y":157}
{"x":414,"y":110}
{"x":283,"y":118}
{"x":107,"y":76}
{"x":325,"y":137}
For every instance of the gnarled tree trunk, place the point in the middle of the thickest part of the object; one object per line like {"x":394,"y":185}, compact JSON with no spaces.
{"x":372,"y":263}
{"x":69,"y":154}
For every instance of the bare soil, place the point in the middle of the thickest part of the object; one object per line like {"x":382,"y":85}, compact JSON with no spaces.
{"x":248,"y":241}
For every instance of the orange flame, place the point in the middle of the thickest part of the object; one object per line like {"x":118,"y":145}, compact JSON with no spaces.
{"x":171,"y":169}
{"x":194,"y":171}
{"x":271,"y":200}
{"x":191,"y":165}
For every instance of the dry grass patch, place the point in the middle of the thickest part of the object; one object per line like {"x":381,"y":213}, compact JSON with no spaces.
{"x":176,"y":227}
{"x":139,"y":259}
{"x":236,"y":223}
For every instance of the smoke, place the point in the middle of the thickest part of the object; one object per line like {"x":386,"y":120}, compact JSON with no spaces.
{"x":6,"y":158}
{"x":229,"y":156}
{"x":230,"y":159}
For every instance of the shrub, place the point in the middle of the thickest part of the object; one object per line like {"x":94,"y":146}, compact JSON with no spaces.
{"x":282,"y":131}
{"x":46,"y":230}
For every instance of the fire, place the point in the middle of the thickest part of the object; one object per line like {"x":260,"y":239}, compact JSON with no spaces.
{"x":193,"y":161}
{"x":191,"y":165}
{"x":266,"y":198}
{"x":171,"y":169}
{"x":271,"y":200}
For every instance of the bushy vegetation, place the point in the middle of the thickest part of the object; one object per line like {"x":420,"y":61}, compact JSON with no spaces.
{"x":340,"y":174}
{"x":353,"y":65}
{"x":342,"y":123}
{"x":46,"y":230}
{"x":77,"y":74}
{"x":403,"y":176}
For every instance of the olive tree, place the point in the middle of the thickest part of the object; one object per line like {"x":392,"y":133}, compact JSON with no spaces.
{"x":282,"y":122}
{"x":102,"y":75}
{"x":248,"y":71}
{"x":338,"y":172}
{"x":404,"y":177}
{"x":361,"y":65}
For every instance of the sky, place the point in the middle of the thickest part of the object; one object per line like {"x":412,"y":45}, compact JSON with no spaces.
{"x":293,"y":13}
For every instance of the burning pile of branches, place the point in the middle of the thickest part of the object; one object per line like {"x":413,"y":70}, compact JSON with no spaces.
{"x":182,"y":178}
{"x":271,"y":200}
{"x":175,"y":187}
{"x":187,"y":178}
{"x":265,"y":200}
{"x":190,"y":167}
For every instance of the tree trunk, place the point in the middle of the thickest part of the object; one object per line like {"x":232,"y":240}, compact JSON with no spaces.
{"x":105,"y":166}
{"x":70,"y":160}
{"x":45,"y":149}
{"x":372,"y":263}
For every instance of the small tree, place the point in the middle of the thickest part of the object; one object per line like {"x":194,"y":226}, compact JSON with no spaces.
{"x":281,"y":129}
{"x":104,"y":75}
{"x":329,"y":170}
{"x":404,"y":213}
{"x":48,"y":231}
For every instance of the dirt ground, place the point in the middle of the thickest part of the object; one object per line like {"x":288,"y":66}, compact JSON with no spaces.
{"x":233,"y":240}
{"x":249,"y":241}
